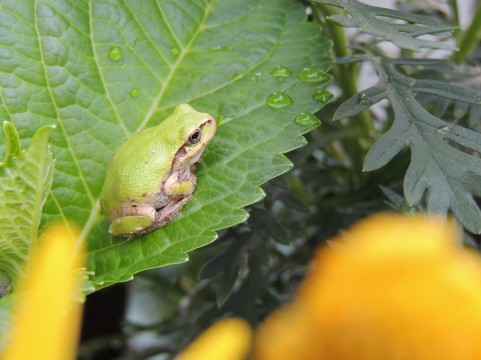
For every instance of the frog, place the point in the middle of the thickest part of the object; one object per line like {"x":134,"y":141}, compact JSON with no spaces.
{"x":151,"y":176}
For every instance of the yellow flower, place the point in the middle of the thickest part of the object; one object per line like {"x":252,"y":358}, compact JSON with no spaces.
{"x":397,"y":288}
{"x":46,"y":321}
{"x":228,"y":339}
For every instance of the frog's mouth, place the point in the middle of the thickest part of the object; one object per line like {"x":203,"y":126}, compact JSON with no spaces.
{"x":190,"y":154}
{"x":186,"y":156}
{"x":196,"y":157}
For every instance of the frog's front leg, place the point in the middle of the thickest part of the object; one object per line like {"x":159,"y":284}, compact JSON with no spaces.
{"x":133,"y":220}
{"x":180,"y":183}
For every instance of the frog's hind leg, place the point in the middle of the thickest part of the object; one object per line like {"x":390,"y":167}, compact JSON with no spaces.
{"x":132,"y":225}
{"x":168,"y":212}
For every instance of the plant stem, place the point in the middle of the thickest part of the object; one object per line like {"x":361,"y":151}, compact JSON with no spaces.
{"x":454,"y":8}
{"x":346,"y":77}
{"x":469,"y":38}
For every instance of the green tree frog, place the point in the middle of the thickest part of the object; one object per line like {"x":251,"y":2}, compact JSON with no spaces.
{"x":151,"y":175}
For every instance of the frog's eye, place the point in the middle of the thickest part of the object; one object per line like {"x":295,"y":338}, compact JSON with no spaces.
{"x":195,"y":137}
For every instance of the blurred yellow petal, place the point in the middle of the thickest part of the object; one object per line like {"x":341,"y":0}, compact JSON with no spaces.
{"x":227,"y":339}
{"x":46,"y":321}
{"x":402,"y":288}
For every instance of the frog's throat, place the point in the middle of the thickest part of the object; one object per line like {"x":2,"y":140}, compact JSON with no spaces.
{"x":183,"y":159}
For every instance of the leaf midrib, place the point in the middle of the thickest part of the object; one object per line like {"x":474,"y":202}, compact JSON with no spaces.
{"x":95,"y":211}
{"x":175,"y":65}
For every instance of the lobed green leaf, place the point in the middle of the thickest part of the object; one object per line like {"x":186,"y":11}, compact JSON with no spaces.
{"x":402,"y":28}
{"x":445,"y":165}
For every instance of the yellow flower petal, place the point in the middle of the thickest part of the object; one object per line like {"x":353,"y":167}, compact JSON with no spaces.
{"x":227,"y":339}
{"x":47,"y":318}
{"x":401,"y":288}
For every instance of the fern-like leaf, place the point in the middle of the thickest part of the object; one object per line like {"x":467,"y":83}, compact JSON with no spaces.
{"x":402,"y":28}
{"x":445,"y":166}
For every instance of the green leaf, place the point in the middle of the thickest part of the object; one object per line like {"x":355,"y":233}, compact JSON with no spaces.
{"x":360,"y":102}
{"x":401,"y":28}
{"x":228,"y":282}
{"x":13,"y":146}
{"x":26,"y":181}
{"x":6,"y":318}
{"x":105,"y":69}
{"x":464,"y":82}
{"x":443,"y":167}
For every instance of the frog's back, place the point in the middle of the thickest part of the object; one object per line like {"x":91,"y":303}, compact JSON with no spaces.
{"x":139,"y":166}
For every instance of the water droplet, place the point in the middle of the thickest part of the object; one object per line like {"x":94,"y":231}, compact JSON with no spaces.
{"x":116,"y":53}
{"x":363,"y":99}
{"x":281,"y":72}
{"x":175,"y":51}
{"x":444,"y":130}
{"x":313,"y":75}
{"x":256,"y":76}
{"x":408,"y":209}
{"x":219,"y":48}
{"x":134,"y":93}
{"x":278,"y":99}
{"x":152,"y":151}
{"x":307,"y":119}
{"x":323,"y":96}
{"x":222,"y":119}
{"x":126,"y":174}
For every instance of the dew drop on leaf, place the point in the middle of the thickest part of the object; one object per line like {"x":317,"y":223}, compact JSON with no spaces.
{"x":363,"y":99}
{"x":278,"y":99}
{"x":306,"y":118}
{"x":256,"y":76}
{"x":323,"y":96}
{"x":116,"y":53}
{"x":312,"y":75}
{"x":408,"y":209}
{"x":134,"y":93}
{"x":219,"y":48}
{"x":444,"y":130}
{"x":175,"y":51}
{"x":281,"y":72}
